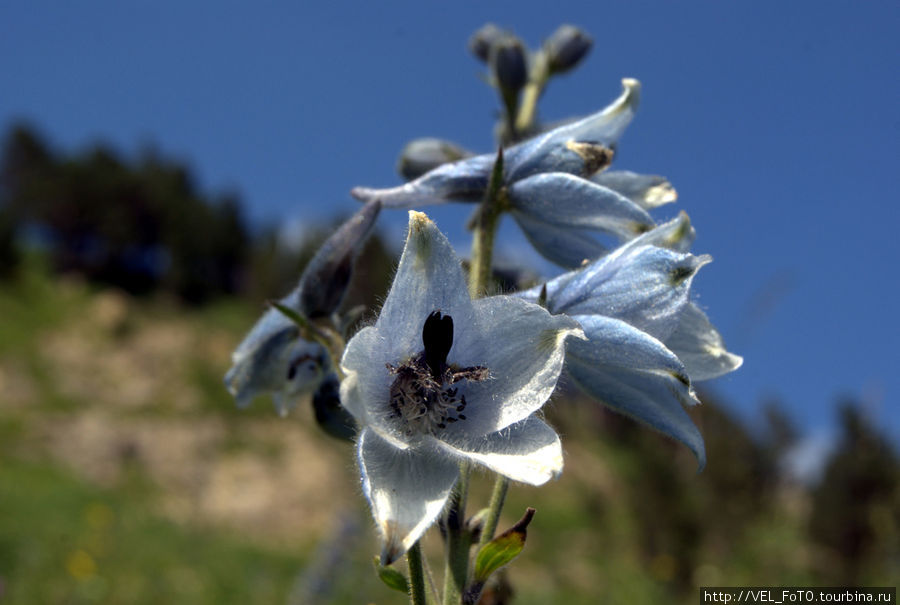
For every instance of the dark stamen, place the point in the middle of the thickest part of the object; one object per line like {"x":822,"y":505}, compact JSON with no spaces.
{"x":437,"y":336}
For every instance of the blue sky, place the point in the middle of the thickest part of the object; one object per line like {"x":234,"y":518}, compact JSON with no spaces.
{"x":776,"y":121}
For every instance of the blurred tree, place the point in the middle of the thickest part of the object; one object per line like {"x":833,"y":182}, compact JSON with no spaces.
{"x":856,"y":507}
{"x":139,"y":226}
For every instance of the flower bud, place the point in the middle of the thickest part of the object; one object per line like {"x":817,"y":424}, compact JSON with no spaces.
{"x":566,"y":47}
{"x":325,"y":279}
{"x":421,"y":155}
{"x":482,"y":40}
{"x":330,"y":415}
{"x":509,"y":65}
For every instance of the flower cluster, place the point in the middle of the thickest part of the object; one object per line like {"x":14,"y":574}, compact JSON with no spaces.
{"x":442,"y":381}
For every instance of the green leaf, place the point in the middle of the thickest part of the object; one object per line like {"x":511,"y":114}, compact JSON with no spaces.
{"x":391,"y":577}
{"x":291,"y":314}
{"x":502,"y":549}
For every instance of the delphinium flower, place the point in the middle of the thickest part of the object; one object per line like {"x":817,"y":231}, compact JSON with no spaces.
{"x":646,"y":341}
{"x":274,"y":357}
{"x":553,"y":186}
{"x":441,"y":378}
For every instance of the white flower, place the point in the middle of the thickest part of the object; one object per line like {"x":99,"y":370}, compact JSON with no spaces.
{"x":441,"y":378}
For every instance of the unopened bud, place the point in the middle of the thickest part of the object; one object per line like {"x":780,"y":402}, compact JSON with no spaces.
{"x":421,"y":155}
{"x":566,"y":47}
{"x":509,"y":65}
{"x":331,"y":416}
{"x":482,"y":40}
{"x":325,"y":279}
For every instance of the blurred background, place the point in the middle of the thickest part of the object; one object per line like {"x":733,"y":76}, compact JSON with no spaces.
{"x":166,"y":169}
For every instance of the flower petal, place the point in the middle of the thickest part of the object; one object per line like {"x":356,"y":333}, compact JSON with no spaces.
{"x":677,"y":234}
{"x":272,"y":358}
{"x":429,"y":278}
{"x":646,"y":286}
{"x":365,"y":391}
{"x":522,"y":346}
{"x":633,"y":373}
{"x":406,"y":489}
{"x":528,"y":451}
{"x":700,"y":347}
{"x":462,"y":181}
{"x":646,"y":190}
{"x":565,"y":200}
{"x":604,"y":128}
{"x":567,"y":247}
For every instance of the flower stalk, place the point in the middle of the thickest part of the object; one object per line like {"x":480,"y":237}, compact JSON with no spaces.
{"x":537,"y":80}
{"x":498,"y":497}
{"x":459,"y":540}
{"x":417,"y":594}
{"x":485,"y":228}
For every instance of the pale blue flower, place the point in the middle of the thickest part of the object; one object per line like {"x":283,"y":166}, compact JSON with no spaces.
{"x":440,"y":379}
{"x":552,"y":186}
{"x":273,"y":358}
{"x":645,"y":339}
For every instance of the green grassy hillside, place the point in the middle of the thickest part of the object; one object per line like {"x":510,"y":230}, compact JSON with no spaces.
{"x":128,"y":476}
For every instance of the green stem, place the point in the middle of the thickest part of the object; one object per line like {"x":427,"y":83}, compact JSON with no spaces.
{"x":459,"y":540}
{"x":416,"y":575}
{"x":537,"y":80}
{"x":498,"y":497}
{"x":485,"y":227}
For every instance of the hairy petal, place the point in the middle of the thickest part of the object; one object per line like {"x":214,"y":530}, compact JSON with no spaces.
{"x":462,"y":181}
{"x":406,"y":489}
{"x":365,"y":391}
{"x":565,"y":200}
{"x":523,"y":347}
{"x":633,"y":373}
{"x":646,"y":190}
{"x":528,"y":451}
{"x":700,"y":347}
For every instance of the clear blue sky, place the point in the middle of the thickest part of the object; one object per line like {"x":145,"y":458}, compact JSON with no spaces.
{"x":776,"y":121}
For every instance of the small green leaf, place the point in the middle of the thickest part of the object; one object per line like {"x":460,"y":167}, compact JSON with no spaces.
{"x":291,"y":314}
{"x":391,"y":577}
{"x":502,"y":549}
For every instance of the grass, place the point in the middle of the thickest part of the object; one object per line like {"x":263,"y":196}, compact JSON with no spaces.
{"x":274,"y":513}
{"x":66,"y":541}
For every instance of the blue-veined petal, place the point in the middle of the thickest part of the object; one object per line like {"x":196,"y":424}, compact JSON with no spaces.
{"x":406,"y":489}
{"x":462,"y":181}
{"x":700,"y":347}
{"x":604,"y":128}
{"x":565,"y":200}
{"x":528,"y":451}
{"x":633,"y":373}
{"x":646,"y":190}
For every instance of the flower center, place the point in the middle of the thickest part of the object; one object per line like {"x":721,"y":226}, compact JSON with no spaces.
{"x":422,"y":397}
